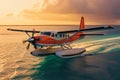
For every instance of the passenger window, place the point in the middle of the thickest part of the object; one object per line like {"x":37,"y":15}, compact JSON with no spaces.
{"x":63,"y":35}
{"x":60,"y":35}
{"x":53,"y":35}
{"x":68,"y":35}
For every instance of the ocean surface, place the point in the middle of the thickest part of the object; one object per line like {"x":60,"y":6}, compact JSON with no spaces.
{"x":16,"y":63}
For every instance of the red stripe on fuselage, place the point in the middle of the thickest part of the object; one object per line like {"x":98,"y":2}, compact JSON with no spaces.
{"x":49,"y":40}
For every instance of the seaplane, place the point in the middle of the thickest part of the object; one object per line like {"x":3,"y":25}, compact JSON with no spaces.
{"x":44,"y":41}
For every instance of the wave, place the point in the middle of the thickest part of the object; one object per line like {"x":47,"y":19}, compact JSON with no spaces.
{"x":100,"y":46}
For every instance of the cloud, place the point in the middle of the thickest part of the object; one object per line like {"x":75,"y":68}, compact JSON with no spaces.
{"x":107,"y":6}
{"x":101,"y":11}
{"x":106,"y":11}
{"x":67,"y":6}
{"x":67,"y":10}
{"x":10,"y":14}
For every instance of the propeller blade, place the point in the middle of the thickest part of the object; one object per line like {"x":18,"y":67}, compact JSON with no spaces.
{"x":24,"y":41}
{"x":28,"y":46}
{"x":33,"y":32}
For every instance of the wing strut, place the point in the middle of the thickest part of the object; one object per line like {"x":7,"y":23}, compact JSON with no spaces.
{"x":28,"y":34}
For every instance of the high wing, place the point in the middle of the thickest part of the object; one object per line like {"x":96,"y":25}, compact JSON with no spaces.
{"x":18,"y":30}
{"x":89,"y":29}
{"x":62,"y":32}
{"x":92,"y":34}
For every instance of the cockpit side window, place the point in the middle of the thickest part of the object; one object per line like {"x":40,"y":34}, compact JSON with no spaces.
{"x":46,"y":33}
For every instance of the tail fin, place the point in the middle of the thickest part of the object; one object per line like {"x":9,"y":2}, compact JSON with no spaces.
{"x":82,"y":23}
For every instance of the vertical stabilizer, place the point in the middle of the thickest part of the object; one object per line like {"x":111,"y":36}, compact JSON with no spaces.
{"x":82,"y":23}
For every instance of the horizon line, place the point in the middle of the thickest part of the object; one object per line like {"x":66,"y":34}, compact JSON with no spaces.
{"x":52,"y":25}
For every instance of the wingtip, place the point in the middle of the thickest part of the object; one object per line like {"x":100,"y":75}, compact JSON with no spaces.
{"x":8,"y":29}
{"x":109,"y":26}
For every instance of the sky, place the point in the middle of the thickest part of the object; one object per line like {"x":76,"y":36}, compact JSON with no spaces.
{"x":44,"y":12}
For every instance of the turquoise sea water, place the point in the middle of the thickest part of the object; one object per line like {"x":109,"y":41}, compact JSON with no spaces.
{"x":16,"y":63}
{"x":99,"y":67}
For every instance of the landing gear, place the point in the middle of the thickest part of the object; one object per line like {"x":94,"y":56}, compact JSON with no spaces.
{"x":45,"y":47}
{"x":66,"y":46}
{"x":49,"y":47}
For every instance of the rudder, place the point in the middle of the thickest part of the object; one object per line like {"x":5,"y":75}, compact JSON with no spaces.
{"x":82,"y":23}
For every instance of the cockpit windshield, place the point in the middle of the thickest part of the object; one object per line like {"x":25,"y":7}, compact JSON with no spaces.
{"x":46,"y":33}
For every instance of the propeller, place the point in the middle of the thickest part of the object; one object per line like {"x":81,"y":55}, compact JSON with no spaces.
{"x":31,"y":40}
{"x":28,"y":46}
